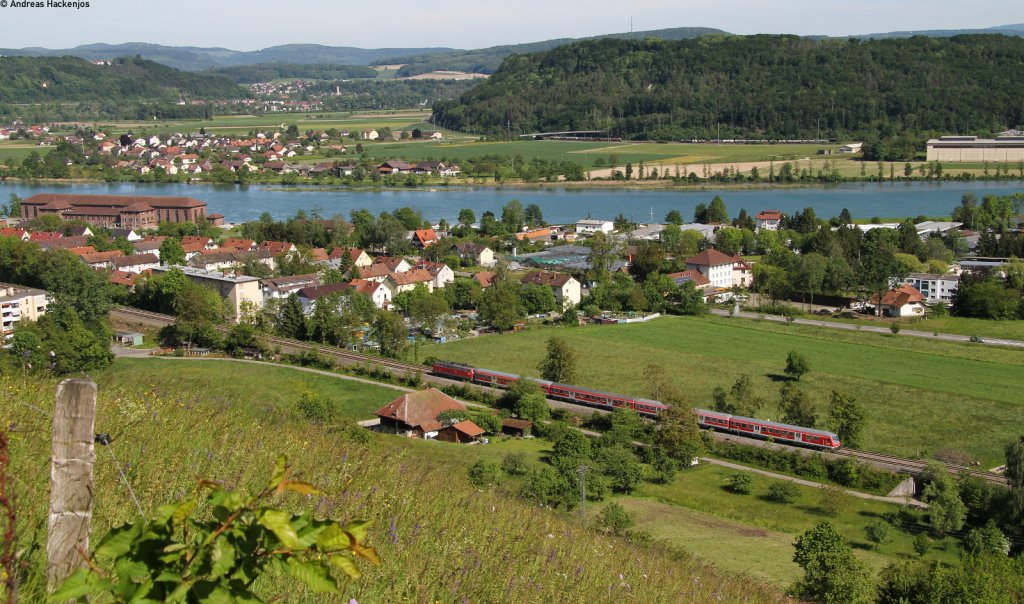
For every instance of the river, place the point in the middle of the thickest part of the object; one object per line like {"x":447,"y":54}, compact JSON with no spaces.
{"x":559,"y":204}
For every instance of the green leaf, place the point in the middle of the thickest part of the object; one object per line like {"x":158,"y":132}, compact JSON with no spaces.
{"x":280,"y":470}
{"x":82,"y":582}
{"x":279,"y":522}
{"x":183,"y":511}
{"x":168,"y":576}
{"x":314,"y":574}
{"x":163,"y":514}
{"x":223,"y":557}
{"x":358,"y":530}
{"x":345,"y":565}
{"x":332,"y":538}
{"x":118,"y":541}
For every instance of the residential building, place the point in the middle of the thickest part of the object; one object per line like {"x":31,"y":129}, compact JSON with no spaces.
{"x":768,"y":220}
{"x":309,"y":296}
{"x":904,"y":301}
{"x":19,"y":303}
{"x":479,"y":255}
{"x":136,"y":263}
{"x":441,"y":272}
{"x":282,"y":287}
{"x":484,"y":278}
{"x":742,"y":276}
{"x":407,"y":281}
{"x":220,"y":260}
{"x":714,"y":265}
{"x":934,"y":287}
{"x":380,"y":293}
{"x":414,"y":415}
{"x":357,"y":256}
{"x":236,"y":289}
{"x":566,"y":288}
{"x":424,"y":238}
{"x":588,"y":226}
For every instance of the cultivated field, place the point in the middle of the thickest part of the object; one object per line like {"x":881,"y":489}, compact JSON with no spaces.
{"x":921,"y":396}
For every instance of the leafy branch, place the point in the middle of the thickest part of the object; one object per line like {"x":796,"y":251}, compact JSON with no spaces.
{"x":175,"y":556}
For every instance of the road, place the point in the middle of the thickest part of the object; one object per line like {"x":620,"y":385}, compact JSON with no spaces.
{"x":949,"y":337}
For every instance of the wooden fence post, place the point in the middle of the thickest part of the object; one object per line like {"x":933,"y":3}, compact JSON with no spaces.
{"x":70,"y":478}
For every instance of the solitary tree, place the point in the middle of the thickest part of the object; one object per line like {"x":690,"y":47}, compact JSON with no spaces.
{"x":616,"y":519}
{"x":878,"y":532}
{"x":559,"y":365}
{"x":846,"y":417}
{"x":796,"y":365}
{"x":795,"y":407}
{"x":831,"y":572}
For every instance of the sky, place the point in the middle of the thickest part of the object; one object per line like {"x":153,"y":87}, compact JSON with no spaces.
{"x":254,"y":24}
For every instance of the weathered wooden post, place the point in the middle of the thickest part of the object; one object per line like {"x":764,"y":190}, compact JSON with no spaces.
{"x":70,"y":478}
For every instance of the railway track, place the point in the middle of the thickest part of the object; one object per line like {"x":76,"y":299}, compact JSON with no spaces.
{"x":348,"y":358}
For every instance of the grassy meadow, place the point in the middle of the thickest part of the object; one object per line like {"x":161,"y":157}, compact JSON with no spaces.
{"x":921,"y":396}
{"x":440,"y":540}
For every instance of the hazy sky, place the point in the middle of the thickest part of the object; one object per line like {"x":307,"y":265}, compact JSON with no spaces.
{"x":253,"y":24}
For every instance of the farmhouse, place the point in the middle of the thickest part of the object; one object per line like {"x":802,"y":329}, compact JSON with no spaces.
{"x":414,"y":415}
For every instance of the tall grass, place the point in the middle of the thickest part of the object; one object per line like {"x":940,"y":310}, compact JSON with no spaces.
{"x":440,"y":539}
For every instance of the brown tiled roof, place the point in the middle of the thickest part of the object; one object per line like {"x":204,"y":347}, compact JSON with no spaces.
{"x":710,"y":257}
{"x":102,"y":256}
{"x":769,"y":215}
{"x":122,"y":278}
{"x":375,"y":270}
{"x":136,"y":260}
{"x":420,"y":409}
{"x":425,"y":236}
{"x":416,"y":275}
{"x":693,"y":275}
{"x":318,"y":291}
{"x":534,"y":234}
{"x":546,"y":278}
{"x":42,"y":199}
{"x":391,"y":262}
{"x":468,"y":428}
{"x":484,"y":278}
{"x":318,"y":254}
{"x":901,"y":296}
{"x":518,"y":424}
{"x":276,"y":247}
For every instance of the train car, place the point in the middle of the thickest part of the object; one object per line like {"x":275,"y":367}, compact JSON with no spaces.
{"x":453,"y":370}
{"x":712,"y":419}
{"x":649,"y":407}
{"x":784,"y":432}
{"x":586,"y":396}
{"x":495,"y":379}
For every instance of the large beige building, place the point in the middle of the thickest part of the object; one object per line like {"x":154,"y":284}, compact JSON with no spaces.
{"x":234,"y":288}
{"x":19,"y":303}
{"x":1005,"y":148}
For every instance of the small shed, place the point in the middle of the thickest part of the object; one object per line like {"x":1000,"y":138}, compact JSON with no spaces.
{"x":516,"y":427}
{"x":198,"y":352}
{"x":462,"y":432}
{"x":128,"y":338}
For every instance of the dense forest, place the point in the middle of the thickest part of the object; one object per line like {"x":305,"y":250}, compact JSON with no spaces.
{"x":266,"y":72}
{"x":358,"y":95}
{"x":68,"y":79}
{"x":765,"y":86}
{"x":487,"y":60}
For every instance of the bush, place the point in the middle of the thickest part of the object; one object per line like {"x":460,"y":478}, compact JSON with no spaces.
{"x":316,"y":407}
{"x":782,"y":492}
{"x":515,"y":464}
{"x":616,"y":519}
{"x":894,"y":327}
{"x":741,"y":483}
{"x":485,"y":472}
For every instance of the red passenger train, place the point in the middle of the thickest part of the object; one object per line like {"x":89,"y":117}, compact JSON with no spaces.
{"x":757,"y":428}
{"x":564,"y":392}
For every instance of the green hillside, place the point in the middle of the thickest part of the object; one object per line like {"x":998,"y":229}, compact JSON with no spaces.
{"x":440,"y":540}
{"x":69,"y":79}
{"x":765,"y":86}
{"x":265,"y":72}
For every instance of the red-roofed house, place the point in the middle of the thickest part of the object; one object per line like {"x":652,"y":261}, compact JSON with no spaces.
{"x":464,"y":432}
{"x":424,"y":238}
{"x":407,"y":281}
{"x":565,"y":287}
{"x":904,"y":301}
{"x":394,"y":264}
{"x":768,"y":220}
{"x":484,"y":278}
{"x":357,"y":256}
{"x":415,"y":414}
{"x":123,"y":278}
{"x":714,"y":265}
{"x":442,"y":273}
{"x":12,"y":232}
{"x":276,"y":248}
{"x":44,"y":235}
{"x":232,"y":244}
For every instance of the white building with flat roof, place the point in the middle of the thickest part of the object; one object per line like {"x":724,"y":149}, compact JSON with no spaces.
{"x":934,"y":287}
{"x":589,"y":226}
{"x":1003,"y":148}
{"x":18,"y":303}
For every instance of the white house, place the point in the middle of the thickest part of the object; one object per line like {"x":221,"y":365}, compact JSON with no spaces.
{"x":407,"y":281}
{"x":370,"y":135}
{"x":588,"y":226}
{"x":566,"y":288}
{"x":380,"y":293}
{"x":851,"y":148}
{"x":441,"y":272}
{"x":282,"y":287}
{"x":904,"y":301}
{"x":714,"y":265}
{"x":480,"y":255}
{"x":768,"y":220}
{"x":136,"y":263}
{"x":934,"y":287}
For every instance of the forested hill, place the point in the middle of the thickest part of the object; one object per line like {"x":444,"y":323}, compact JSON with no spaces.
{"x":266,"y":72}
{"x":487,"y":60}
{"x":44,"y":79}
{"x":756,"y":86}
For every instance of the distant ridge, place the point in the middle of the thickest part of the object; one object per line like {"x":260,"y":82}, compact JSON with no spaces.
{"x":417,"y":60}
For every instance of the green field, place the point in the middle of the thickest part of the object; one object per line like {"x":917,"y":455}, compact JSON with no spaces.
{"x":746,"y":533}
{"x":264,"y":389}
{"x":921,"y":396}
{"x":19,"y":150}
